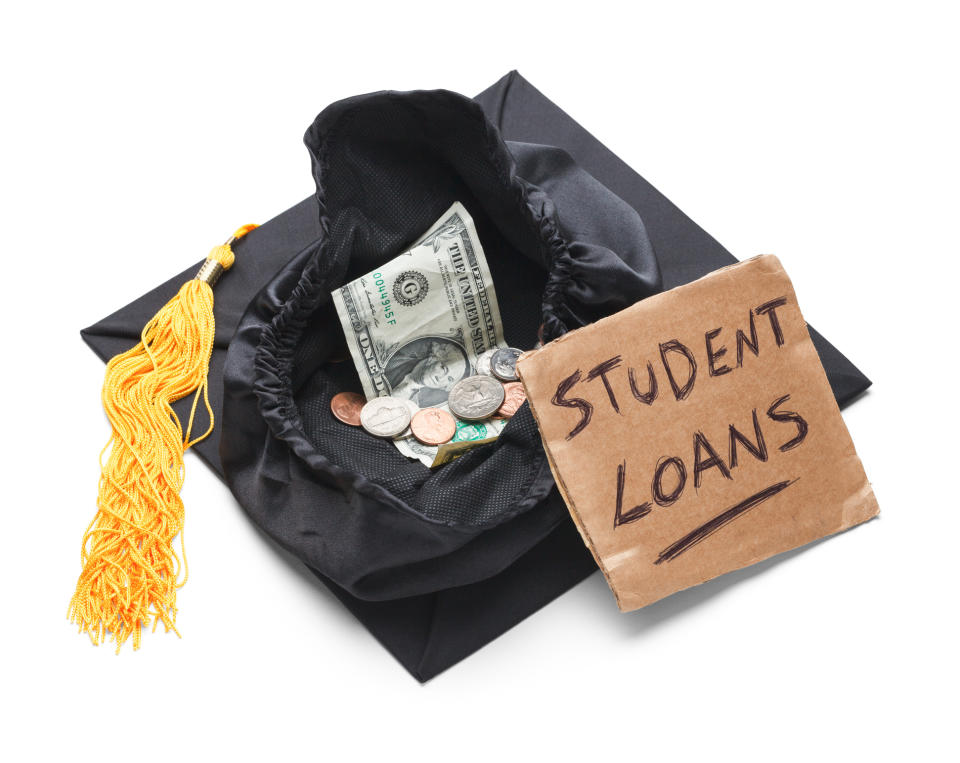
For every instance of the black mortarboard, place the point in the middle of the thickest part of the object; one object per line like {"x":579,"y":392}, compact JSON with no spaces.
{"x":430,"y":608}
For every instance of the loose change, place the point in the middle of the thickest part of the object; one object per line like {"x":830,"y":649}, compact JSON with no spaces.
{"x":493,"y":392}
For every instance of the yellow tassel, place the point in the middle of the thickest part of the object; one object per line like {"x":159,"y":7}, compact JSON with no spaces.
{"x":130,"y":569}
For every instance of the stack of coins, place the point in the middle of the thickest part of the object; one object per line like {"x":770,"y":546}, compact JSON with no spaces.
{"x":494,"y":392}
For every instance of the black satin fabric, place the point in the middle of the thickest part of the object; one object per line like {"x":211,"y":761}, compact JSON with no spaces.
{"x":429,"y":632}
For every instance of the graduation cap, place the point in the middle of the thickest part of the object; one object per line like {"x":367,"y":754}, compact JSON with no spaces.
{"x":435,"y":564}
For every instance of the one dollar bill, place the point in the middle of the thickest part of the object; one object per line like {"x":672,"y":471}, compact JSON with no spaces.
{"x":416,"y":325}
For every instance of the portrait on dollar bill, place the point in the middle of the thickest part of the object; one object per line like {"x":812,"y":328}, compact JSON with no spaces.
{"x":426,"y":368}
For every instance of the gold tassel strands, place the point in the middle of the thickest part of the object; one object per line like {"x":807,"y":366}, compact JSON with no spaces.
{"x":131,"y":571}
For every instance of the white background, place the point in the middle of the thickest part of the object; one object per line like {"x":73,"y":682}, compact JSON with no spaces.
{"x":825,"y":133}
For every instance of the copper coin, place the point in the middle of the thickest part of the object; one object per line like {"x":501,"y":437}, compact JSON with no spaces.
{"x":513,"y":398}
{"x":346,"y":407}
{"x":433,"y":426}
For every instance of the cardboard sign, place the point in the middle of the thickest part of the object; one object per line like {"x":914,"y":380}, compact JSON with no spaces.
{"x":695,"y":433}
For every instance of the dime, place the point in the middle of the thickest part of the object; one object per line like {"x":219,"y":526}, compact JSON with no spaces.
{"x":483,"y":362}
{"x":346,"y":407}
{"x":385,"y":416}
{"x":433,"y":426}
{"x":513,"y":398}
{"x":475,"y":397}
{"x":504,"y":363}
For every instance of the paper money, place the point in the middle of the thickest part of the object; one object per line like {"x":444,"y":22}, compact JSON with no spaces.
{"x":470,"y":434}
{"x":416,"y":325}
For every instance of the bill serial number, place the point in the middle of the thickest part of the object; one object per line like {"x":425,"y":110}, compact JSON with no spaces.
{"x":385,"y":301}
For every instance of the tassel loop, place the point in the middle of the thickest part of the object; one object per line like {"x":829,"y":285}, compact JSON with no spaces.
{"x":130,"y":569}
{"x":221,"y":258}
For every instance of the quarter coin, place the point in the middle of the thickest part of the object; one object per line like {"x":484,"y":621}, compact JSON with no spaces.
{"x":475,"y":397}
{"x":433,"y":426}
{"x":483,"y":362}
{"x":503,"y":365}
{"x":346,"y":407}
{"x":513,"y":398}
{"x":385,"y":416}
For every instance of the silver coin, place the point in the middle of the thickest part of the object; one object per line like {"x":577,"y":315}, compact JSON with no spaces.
{"x":408,"y":432}
{"x":483,"y":362}
{"x":504,"y":363}
{"x":385,"y":416}
{"x":475,"y":397}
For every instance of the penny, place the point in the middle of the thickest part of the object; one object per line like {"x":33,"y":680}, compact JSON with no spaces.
{"x":504,"y":363}
{"x":483,"y":362}
{"x":385,"y":416}
{"x":433,"y":426}
{"x":475,"y":397}
{"x":513,"y":398}
{"x":346,"y":407}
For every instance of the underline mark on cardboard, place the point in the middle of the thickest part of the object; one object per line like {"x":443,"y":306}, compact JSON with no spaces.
{"x":707,"y":529}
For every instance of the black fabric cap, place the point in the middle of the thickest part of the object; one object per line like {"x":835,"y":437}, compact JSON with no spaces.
{"x":430,"y":631}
